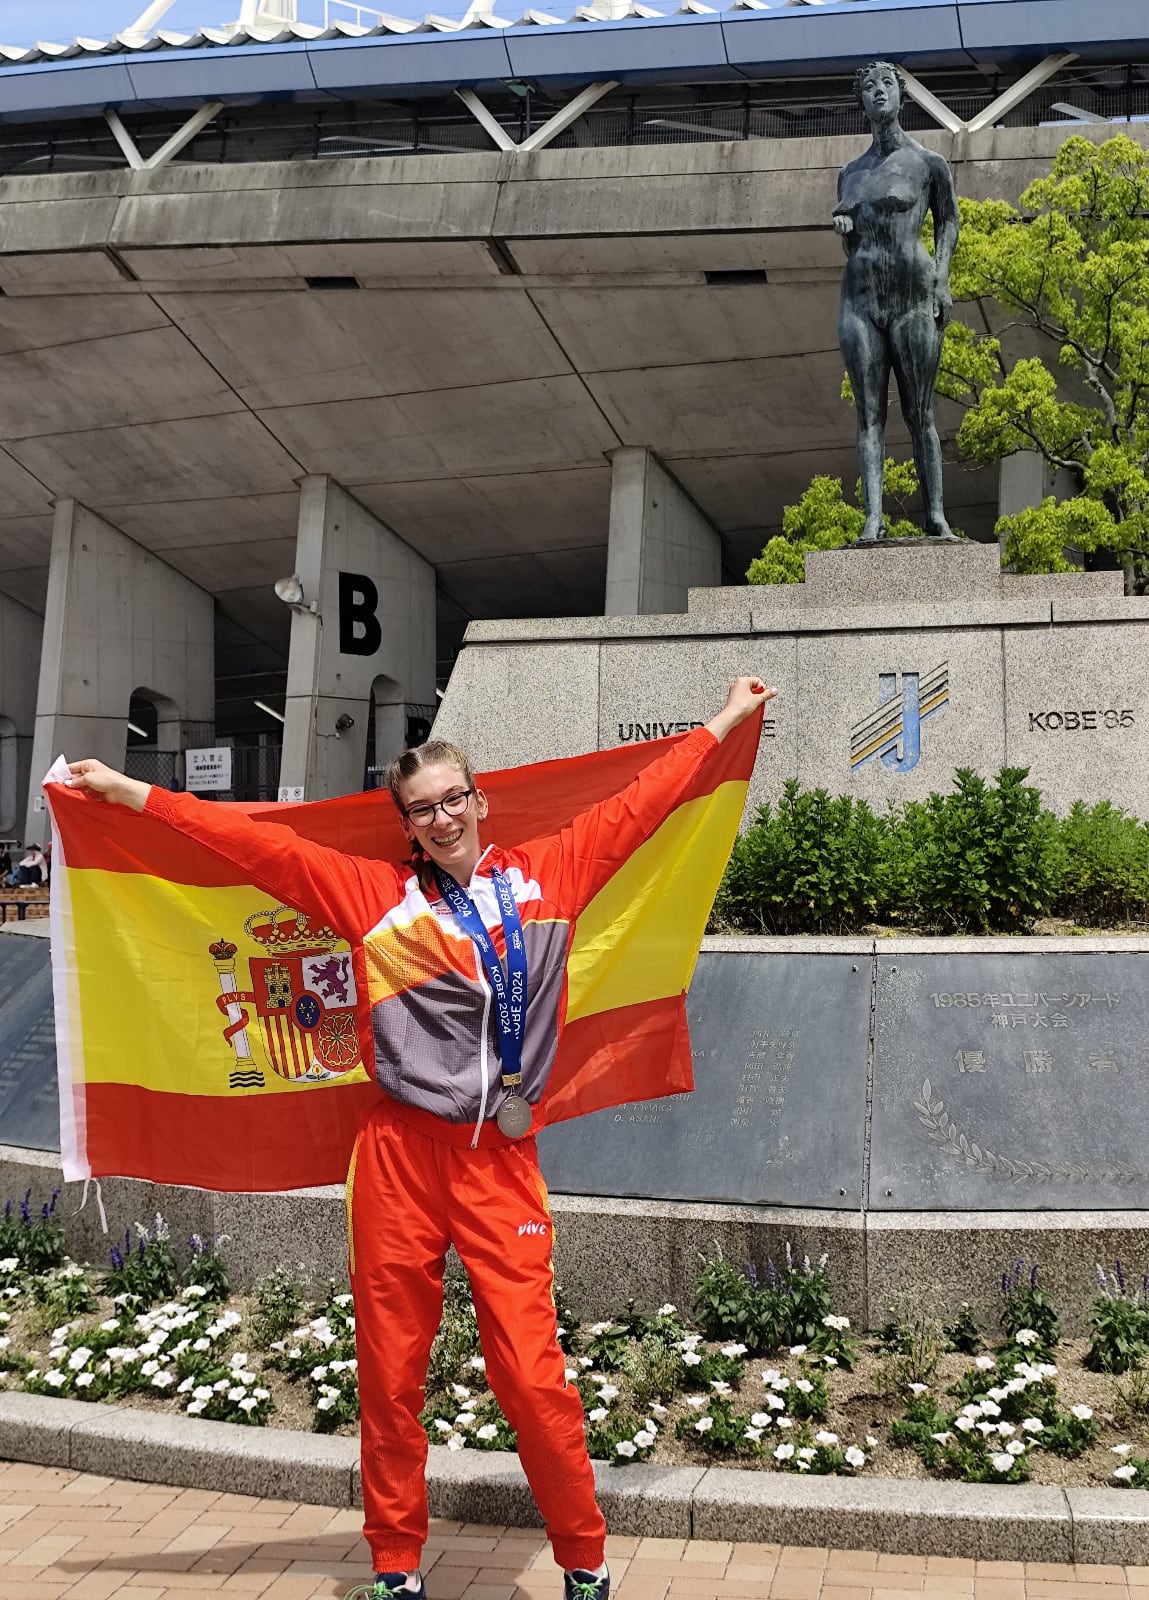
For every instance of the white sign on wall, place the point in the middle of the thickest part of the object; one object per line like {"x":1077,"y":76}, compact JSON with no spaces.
{"x":289,"y":793}
{"x":208,"y":771}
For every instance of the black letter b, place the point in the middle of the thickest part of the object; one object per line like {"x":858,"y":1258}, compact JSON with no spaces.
{"x":358,"y":600}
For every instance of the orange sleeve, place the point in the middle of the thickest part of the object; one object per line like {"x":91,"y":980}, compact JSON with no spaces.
{"x":349,"y":894}
{"x":593,"y":845}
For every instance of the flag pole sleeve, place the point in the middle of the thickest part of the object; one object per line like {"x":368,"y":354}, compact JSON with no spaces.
{"x":347,"y":893}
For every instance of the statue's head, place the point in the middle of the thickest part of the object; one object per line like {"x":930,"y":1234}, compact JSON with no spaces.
{"x":879,"y":88}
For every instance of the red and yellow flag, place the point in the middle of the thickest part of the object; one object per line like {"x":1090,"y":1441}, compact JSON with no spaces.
{"x":179,"y":1060}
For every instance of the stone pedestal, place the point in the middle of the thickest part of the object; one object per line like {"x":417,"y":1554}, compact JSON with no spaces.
{"x":894,"y":666}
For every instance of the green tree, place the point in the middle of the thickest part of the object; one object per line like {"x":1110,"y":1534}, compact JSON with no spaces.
{"x":825,"y":520}
{"x":1072,"y":266}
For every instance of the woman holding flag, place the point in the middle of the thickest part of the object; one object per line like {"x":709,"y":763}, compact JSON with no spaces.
{"x":460,"y":960}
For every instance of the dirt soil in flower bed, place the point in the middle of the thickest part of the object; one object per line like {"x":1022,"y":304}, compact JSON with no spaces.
{"x":861,"y":1404}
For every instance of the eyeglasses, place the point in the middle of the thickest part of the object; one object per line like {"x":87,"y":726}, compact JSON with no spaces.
{"x":451,"y":805}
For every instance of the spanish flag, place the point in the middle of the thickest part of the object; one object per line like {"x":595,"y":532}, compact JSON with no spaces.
{"x":208,"y":1036}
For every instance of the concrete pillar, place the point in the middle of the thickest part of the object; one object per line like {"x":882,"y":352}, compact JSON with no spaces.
{"x":1026,"y":479}
{"x":660,"y":543}
{"x":118,"y":620}
{"x":369,"y":648}
{"x":20,"y":635}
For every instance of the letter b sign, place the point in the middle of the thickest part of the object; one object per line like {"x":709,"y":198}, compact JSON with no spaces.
{"x":359,"y":630}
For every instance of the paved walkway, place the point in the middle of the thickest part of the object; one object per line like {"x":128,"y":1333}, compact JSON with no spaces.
{"x":88,"y":1538}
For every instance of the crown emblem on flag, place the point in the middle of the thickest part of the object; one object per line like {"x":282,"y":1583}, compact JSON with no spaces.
{"x":285,"y":929}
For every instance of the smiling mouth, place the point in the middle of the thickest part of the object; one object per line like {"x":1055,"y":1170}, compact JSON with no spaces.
{"x":447,"y":842}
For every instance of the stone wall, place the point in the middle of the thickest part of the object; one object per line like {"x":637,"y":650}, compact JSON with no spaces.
{"x":894,"y":666}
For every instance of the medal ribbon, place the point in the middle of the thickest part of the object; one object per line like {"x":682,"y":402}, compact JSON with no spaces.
{"x":509,"y":987}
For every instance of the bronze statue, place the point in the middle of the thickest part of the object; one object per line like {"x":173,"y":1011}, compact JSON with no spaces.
{"x":895,"y":296}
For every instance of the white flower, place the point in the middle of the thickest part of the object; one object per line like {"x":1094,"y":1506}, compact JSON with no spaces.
{"x":942,"y":1438}
{"x":798,"y":1349}
{"x":986,"y":1428}
{"x":456,"y":1442}
{"x":704,"y":1424}
{"x":697,"y":1400}
{"x":784,"y":1422}
{"x":465,"y":1420}
{"x":783,"y":1452}
{"x":1126,"y":1472}
{"x":733,"y":1350}
{"x":1006,"y":1429}
{"x":771,"y":1375}
{"x":204,"y":1393}
{"x":460,"y":1393}
{"x":1026,"y":1336}
{"x":443,"y":1425}
{"x":804,"y":1386}
{"x":249,"y":1403}
{"x":585,"y":1362}
{"x":761,"y":1419}
{"x":803,"y":1466}
{"x":236,"y":1394}
{"x":110,"y":1326}
{"x":919,"y":1388}
{"x":753,"y":1434}
{"x":990,"y":1408}
{"x":1015,"y":1447}
{"x":218,"y":1388}
{"x":597,"y":1328}
{"x":205,"y":1344}
{"x":55,"y":1378}
{"x":149,"y":1367}
{"x":1046,"y":1369}
{"x":965,"y":1424}
{"x":779,"y":1385}
{"x":1033,"y":1425}
{"x":599,"y":1414}
{"x":643,"y":1439}
{"x":830,"y":1361}
{"x":1120,"y":1449}
{"x":997,"y":1394}
{"x":854,"y":1457}
{"x":487,"y":1431}
{"x":666,"y":1311}
{"x":162,"y":1380}
{"x":83,"y":1379}
{"x":691,"y":1358}
{"x":570,"y":1374}
{"x":1082,"y":1413}
{"x":608,"y":1392}
{"x":1002,"y":1462}
{"x":775,"y":1402}
{"x":194,"y":1407}
{"x":9,"y":1263}
{"x":479,"y":1363}
{"x":650,"y":1426}
{"x":825,"y":1438}
{"x":659,"y":1411}
{"x":79,"y":1358}
{"x":985,"y":1363}
{"x":807,"y":1454}
{"x":325,"y":1402}
{"x":719,"y":1386}
{"x":626,"y":1447}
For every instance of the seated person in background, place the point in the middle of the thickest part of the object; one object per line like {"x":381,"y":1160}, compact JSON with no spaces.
{"x":31,"y":871}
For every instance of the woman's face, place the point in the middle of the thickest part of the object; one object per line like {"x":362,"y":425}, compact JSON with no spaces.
{"x":452,"y":842}
{"x":881,"y":97}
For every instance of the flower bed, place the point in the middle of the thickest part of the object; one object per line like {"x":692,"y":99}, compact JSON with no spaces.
{"x":770,"y":1379}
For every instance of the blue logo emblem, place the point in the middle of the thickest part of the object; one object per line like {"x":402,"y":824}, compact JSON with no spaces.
{"x":893,"y":733}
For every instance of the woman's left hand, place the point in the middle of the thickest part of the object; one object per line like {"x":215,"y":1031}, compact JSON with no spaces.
{"x":943,"y":302}
{"x":746,"y":696}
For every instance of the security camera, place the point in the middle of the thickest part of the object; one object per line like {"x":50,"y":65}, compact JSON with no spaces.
{"x":344,"y":722}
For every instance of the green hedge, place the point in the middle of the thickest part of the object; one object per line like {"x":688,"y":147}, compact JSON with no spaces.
{"x":987,"y":858}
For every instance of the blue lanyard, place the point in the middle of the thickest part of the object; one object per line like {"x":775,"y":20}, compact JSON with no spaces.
{"x":509,"y":988}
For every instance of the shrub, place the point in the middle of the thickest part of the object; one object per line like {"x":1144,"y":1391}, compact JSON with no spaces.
{"x":1025,"y":1305}
{"x":1120,"y":1324}
{"x":35,"y":1238}
{"x":147,"y":1271}
{"x":814,"y":864}
{"x":278,"y":1307}
{"x":1106,"y":874}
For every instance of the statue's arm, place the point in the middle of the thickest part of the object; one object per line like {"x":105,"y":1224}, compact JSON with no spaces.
{"x":841,"y":218}
{"x":944,"y":208}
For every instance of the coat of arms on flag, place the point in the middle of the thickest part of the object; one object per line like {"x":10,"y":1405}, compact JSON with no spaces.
{"x":302,"y":992}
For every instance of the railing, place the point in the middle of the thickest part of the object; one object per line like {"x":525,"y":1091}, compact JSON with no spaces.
{"x":333,"y":12}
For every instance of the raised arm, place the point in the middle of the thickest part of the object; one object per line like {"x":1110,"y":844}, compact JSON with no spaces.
{"x":347,"y":893}
{"x":590,"y":849}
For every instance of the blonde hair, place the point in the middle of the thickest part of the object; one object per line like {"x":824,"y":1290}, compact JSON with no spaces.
{"x":436,"y":752}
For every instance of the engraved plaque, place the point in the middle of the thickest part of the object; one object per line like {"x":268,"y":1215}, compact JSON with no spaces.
{"x":29,"y":1103}
{"x":777,"y":1116}
{"x":1010,"y":1083}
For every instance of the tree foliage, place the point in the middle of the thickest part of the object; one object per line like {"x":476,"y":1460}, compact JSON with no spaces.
{"x":1072,"y":265}
{"x":825,"y":520}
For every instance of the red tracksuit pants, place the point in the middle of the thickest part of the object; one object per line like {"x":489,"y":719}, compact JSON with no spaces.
{"x":415,"y":1187}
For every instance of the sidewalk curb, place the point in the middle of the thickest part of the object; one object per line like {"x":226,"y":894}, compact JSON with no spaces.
{"x":1025,"y":1522}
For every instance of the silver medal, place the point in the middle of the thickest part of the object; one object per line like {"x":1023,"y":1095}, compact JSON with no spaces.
{"x":514,"y":1117}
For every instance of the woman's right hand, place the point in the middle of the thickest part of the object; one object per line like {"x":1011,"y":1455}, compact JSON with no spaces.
{"x":108,"y":784}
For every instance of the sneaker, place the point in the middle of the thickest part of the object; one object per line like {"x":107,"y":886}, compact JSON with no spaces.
{"x":580,"y":1585}
{"x":387,"y":1586}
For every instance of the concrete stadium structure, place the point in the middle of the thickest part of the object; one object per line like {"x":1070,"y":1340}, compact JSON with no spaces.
{"x":452,"y":322}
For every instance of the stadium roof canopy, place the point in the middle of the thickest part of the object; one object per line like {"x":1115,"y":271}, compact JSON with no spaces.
{"x":751,"y":39}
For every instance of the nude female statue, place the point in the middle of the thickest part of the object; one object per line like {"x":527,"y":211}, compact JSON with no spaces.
{"x":895,"y":296}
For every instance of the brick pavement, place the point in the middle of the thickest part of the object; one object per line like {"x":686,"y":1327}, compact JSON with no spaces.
{"x":88,"y":1538}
